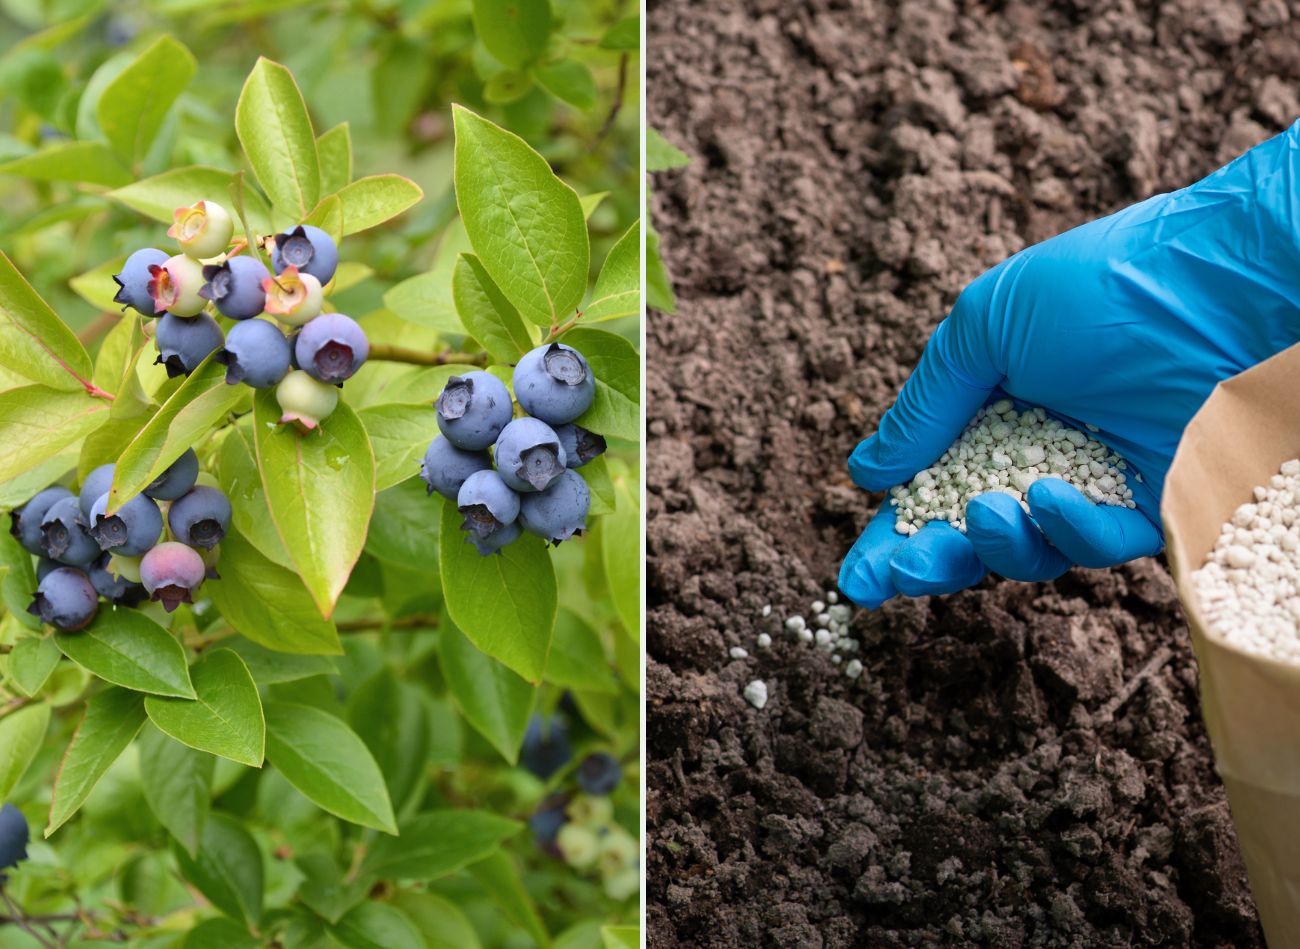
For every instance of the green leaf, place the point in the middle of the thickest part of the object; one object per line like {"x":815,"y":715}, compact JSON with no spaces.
{"x":617,"y":368}
{"x":92,"y":163}
{"x":621,"y":937}
{"x":624,"y":35}
{"x":32,"y":661}
{"x":22,"y":732}
{"x":19,"y":580}
{"x":177,"y":783}
{"x":323,"y":888}
{"x":592,"y":201}
{"x":658,"y":285}
{"x":268,"y":603}
{"x":228,"y":869}
{"x":132,"y":108}
{"x":442,"y":923}
{"x":373,"y":925}
{"x":596,"y":474}
{"x":404,"y":530}
{"x":514,"y":31}
{"x":491,"y":697}
{"x":569,"y":81}
{"x":112,"y":719}
{"x":488,"y":316}
{"x":389,"y":716}
{"x":661,"y":154}
{"x":158,"y":197}
{"x":507,"y":86}
{"x":237,"y":472}
{"x":437,"y":843}
{"x":577,"y":658}
{"x":225,"y":719}
{"x":499,"y":875}
{"x":524,"y":223}
{"x":335,"y":150}
{"x":275,"y":130}
{"x":400,"y":435}
{"x":17,"y":490}
{"x":44,"y":421}
{"x":618,"y":288}
{"x":219,"y":933}
{"x":505,"y":602}
{"x":328,"y":216}
{"x":34,"y":342}
{"x":269,"y":667}
{"x":115,"y":362}
{"x":324,"y":759}
{"x":127,"y":648}
{"x":320,"y":489}
{"x":97,"y":288}
{"x":621,"y":552}
{"x":369,"y":202}
{"x":202,"y":400}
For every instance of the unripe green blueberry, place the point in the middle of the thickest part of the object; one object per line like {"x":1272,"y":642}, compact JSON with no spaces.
{"x":128,"y":568}
{"x":617,"y":850}
{"x":304,"y":401}
{"x":293,"y":297}
{"x":175,"y":286}
{"x":203,"y":230}
{"x":579,"y":845}
{"x":591,"y":810}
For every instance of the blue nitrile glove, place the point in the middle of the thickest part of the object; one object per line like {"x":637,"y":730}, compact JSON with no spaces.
{"x":1127,"y":324}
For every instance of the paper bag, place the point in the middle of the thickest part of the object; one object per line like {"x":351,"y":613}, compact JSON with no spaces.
{"x":1239,"y":439}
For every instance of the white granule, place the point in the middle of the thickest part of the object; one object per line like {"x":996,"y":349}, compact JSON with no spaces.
{"x":1007,"y":451}
{"x":853,"y":669}
{"x":764,"y":640}
{"x":738,"y":652}
{"x":1249,"y":587}
{"x":756,"y":693}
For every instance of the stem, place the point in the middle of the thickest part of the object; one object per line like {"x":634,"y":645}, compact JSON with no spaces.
{"x":418,"y":358}
{"x":99,"y":326}
{"x":18,"y":919}
{"x":558,"y":331}
{"x":618,"y":100}
{"x":414,"y":621}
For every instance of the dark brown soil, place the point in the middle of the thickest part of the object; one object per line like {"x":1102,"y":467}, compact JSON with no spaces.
{"x":1021,"y":765}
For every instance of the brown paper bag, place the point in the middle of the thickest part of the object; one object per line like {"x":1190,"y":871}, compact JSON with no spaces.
{"x":1239,"y":439}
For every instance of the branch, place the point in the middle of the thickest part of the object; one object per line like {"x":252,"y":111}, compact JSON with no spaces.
{"x":415,"y":621}
{"x":99,"y":326}
{"x":22,"y":922}
{"x":618,"y":100}
{"x":418,"y":358}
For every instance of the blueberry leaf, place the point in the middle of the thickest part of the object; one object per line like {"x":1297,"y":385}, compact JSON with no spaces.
{"x":371,"y":925}
{"x":399,"y":433}
{"x":239,"y":478}
{"x":437,"y":843}
{"x":369,"y":202}
{"x":32,"y":661}
{"x":334,"y":147}
{"x":44,"y":421}
{"x":132,"y":108}
{"x":404,"y":530}
{"x":159,"y":196}
{"x":328,"y":216}
{"x":228,"y":869}
{"x":112,"y":719}
{"x":389,"y":716}
{"x":18,"y":580}
{"x":569,"y":81}
{"x":578,"y":659}
{"x":499,"y":875}
{"x":92,"y":163}
{"x":127,"y":648}
{"x":442,"y":923}
{"x":624,"y":35}
{"x":620,"y":937}
{"x":487,"y":314}
{"x":226,"y":717}
{"x":34,"y":342}
{"x":177,"y":784}
{"x":275,"y":130}
{"x":426,"y":298}
{"x":514,"y":31}
{"x":22,"y":733}
{"x":621,"y":552}
{"x":618,"y":288}
{"x":496,"y":701}
{"x":617,"y":367}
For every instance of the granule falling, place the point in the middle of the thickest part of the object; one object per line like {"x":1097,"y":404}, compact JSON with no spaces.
{"x":1249,"y":587}
{"x":1007,"y":451}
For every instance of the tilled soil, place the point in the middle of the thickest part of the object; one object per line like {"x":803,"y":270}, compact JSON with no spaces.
{"x":1020,"y":765}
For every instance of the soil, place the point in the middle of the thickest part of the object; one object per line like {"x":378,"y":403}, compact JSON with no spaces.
{"x":1020,"y":765}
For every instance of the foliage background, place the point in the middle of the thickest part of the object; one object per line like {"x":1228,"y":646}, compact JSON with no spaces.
{"x":390,"y":71}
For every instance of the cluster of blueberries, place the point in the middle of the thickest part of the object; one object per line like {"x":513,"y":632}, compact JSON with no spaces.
{"x":322,"y":350}
{"x":533,"y":485}
{"x":14,"y":835}
{"x":85,"y":553}
{"x":578,"y":826}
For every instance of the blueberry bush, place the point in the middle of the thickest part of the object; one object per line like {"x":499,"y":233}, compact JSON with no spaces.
{"x":320,"y":406}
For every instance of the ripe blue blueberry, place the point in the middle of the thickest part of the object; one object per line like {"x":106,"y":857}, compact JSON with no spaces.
{"x":203,"y":230}
{"x":66,"y":599}
{"x":546,"y":747}
{"x":177,"y":479}
{"x":580,"y":445}
{"x":184,"y":342}
{"x":200,"y":518}
{"x":309,"y":249}
{"x":174,"y":286}
{"x":97,"y":482}
{"x":331,"y":347}
{"x":132,"y":530}
{"x":236,"y":287}
{"x":445,"y":467}
{"x":472,"y":410}
{"x":599,"y":773}
{"x":487,"y":503}
{"x":554,"y":383}
{"x":25,"y":521}
{"x":14,"y":835}
{"x":529,"y":455}
{"x":66,"y":534}
{"x":493,"y":542}
{"x":133,"y":281}
{"x":560,"y":511}
{"x":114,"y":587}
{"x":171,"y":572}
{"x":548,"y":819}
{"x":44,"y":565}
{"x":256,"y":353}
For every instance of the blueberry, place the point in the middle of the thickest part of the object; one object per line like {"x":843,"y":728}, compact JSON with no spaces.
{"x":132,"y":530}
{"x":492,"y":542}
{"x":554,"y":383}
{"x":66,"y":534}
{"x":445,"y":467}
{"x":25,"y":521}
{"x":133,"y":281}
{"x":309,"y":249}
{"x":256,"y":353}
{"x":332,"y":347}
{"x":236,"y":287}
{"x":546,"y":747}
{"x":171,"y":572}
{"x":292,"y":297}
{"x":203,"y":230}
{"x":96,"y":483}
{"x":177,"y":479}
{"x":529,"y":455}
{"x":200,"y":518}
{"x":580,"y":445}
{"x":184,"y":342}
{"x":560,"y":511}
{"x":66,"y":599}
{"x":487,"y":503}
{"x":548,"y":819}
{"x":14,"y":835}
{"x":174,"y":286}
{"x":473,"y":409}
{"x":304,"y":401}
{"x":44,"y":565}
{"x":599,"y":773}
{"x":114,"y":587}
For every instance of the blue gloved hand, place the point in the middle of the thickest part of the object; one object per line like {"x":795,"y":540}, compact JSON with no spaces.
{"x":1126,"y":323}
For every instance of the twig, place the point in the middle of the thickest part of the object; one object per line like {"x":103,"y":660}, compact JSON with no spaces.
{"x":418,"y":358}
{"x":1107,"y":712}
{"x":618,"y":100}
{"x":18,"y":919}
{"x":415,"y":621}
{"x":99,"y":326}
{"x":558,"y":330}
